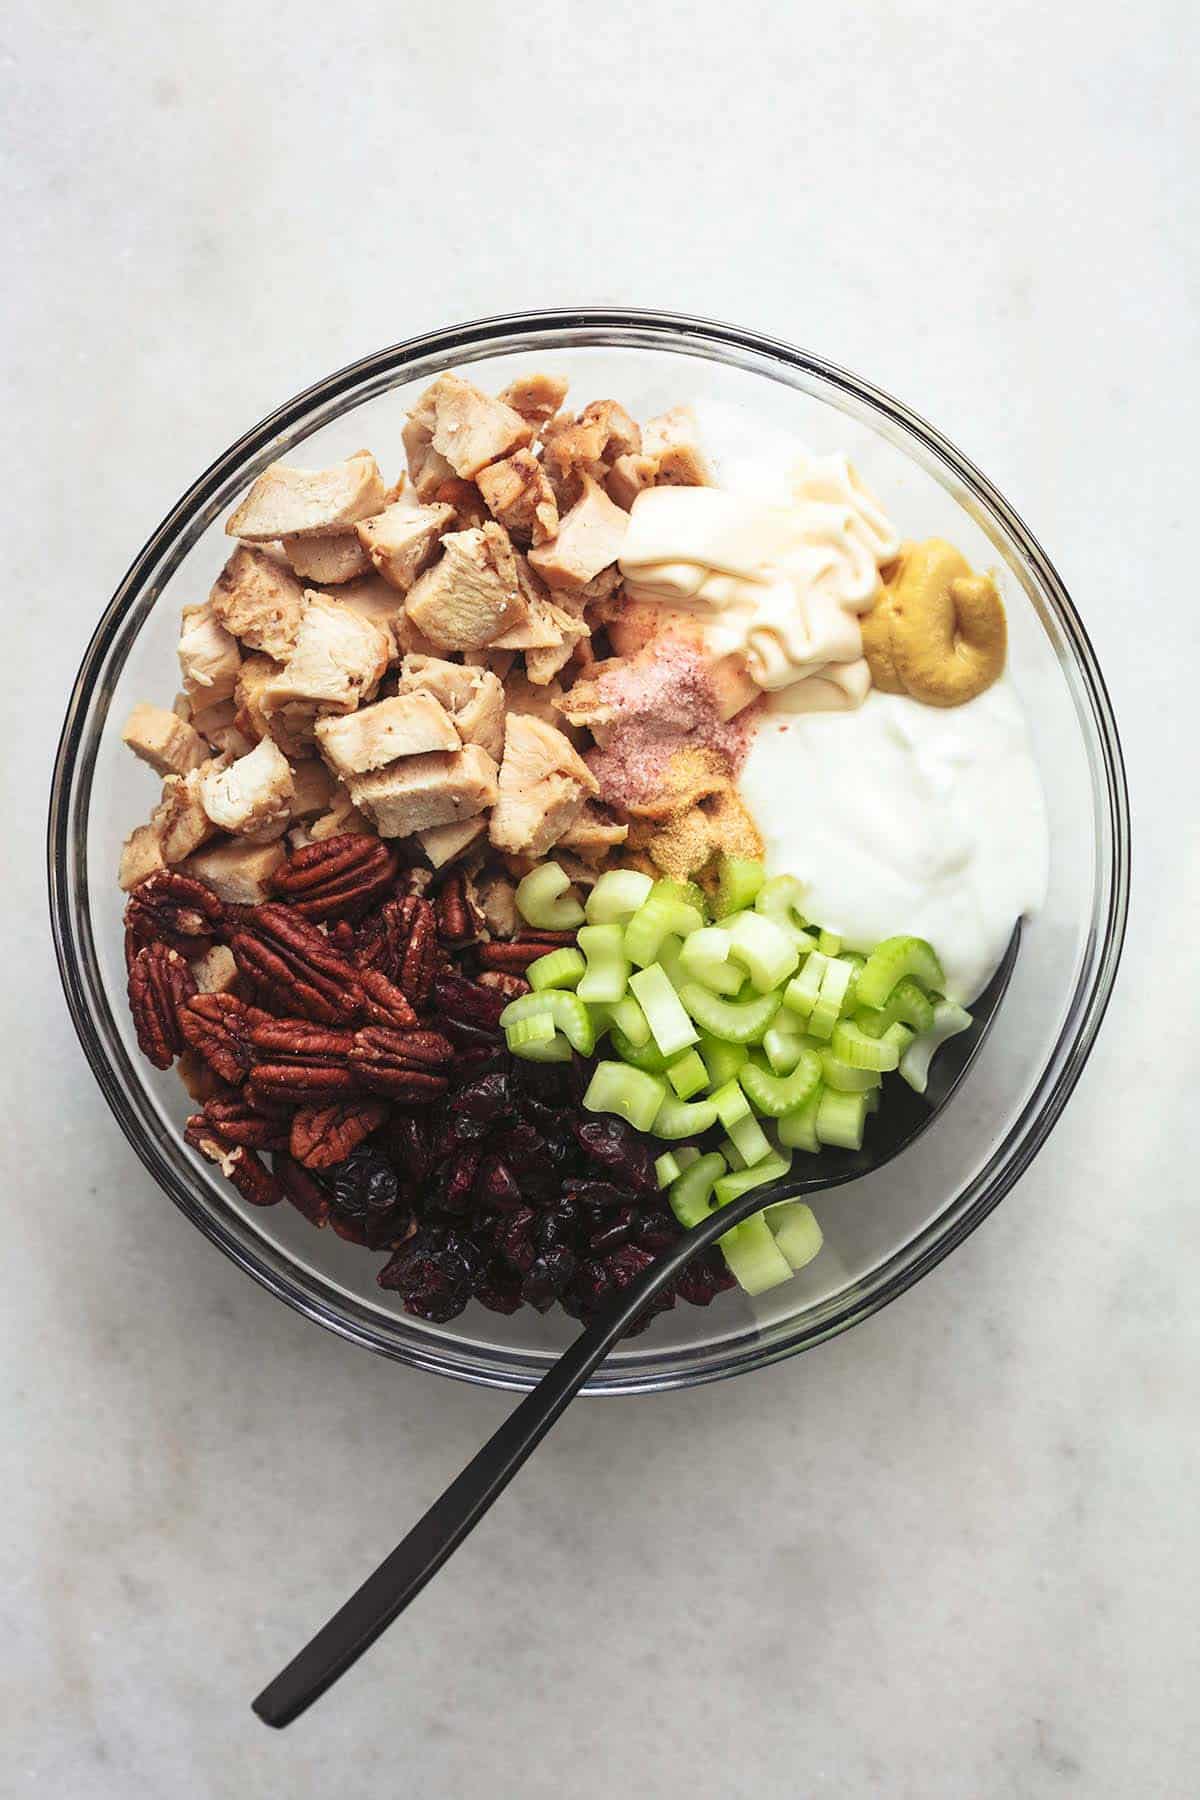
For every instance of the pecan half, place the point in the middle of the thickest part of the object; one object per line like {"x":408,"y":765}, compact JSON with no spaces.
{"x":297,"y":965}
{"x":238,"y":1122}
{"x":459,"y":921}
{"x":323,"y":1136}
{"x":238,"y":1163}
{"x":302,"y":1189}
{"x":401,"y":941}
{"x":500,"y":982}
{"x":338,"y":878}
{"x":383,"y":1001}
{"x":400,"y":1064}
{"x":300,"y":1064}
{"x":160,"y":985}
{"x":516,"y":957}
{"x":218,"y":1026}
{"x":173,"y":909}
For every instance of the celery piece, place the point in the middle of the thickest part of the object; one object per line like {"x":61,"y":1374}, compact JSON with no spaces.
{"x":753,"y":1256}
{"x":617,"y":896}
{"x":835,"y":985}
{"x":654,"y":920}
{"x":775,"y":1095}
{"x":738,"y":881}
{"x":666,"y":1168}
{"x":605,"y":975}
{"x":763,"y":949}
{"x":906,"y":1005}
{"x":771,"y":1168}
{"x":798,"y":1130}
{"x":690,"y":892}
{"x":545,"y":899}
{"x":780,"y":899}
{"x":784,"y":1048}
{"x":722,"y":1060}
{"x":557,"y":1050}
{"x":948,"y":1020}
{"x":841,"y":1119}
{"x":802,"y":991}
{"x":631,"y":1093}
{"x":705,"y":958}
{"x":669,"y":959}
{"x":683,"y":1118}
{"x":670,"y":1026}
{"x":829,"y":943}
{"x":629,"y":1019}
{"x":538,"y":1028}
{"x":691,"y":1195}
{"x":891,"y":962}
{"x":569,"y":1013}
{"x":846,"y":1079}
{"x":560,"y":969}
{"x":731,"y":1104}
{"x":751,"y":1141}
{"x":731,"y":1153}
{"x":687,"y":1074}
{"x":647,"y":1056}
{"x":796,"y":1231}
{"x":853,"y":1046}
{"x":735,"y":1022}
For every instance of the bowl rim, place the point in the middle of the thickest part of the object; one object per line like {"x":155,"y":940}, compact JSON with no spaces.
{"x":1073,"y":1042}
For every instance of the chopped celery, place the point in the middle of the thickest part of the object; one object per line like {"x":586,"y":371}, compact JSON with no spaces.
{"x":796,"y":1231}
{"x":835,"y":984}
{"x":687,"y":1074}
{"x":545,"y":898}
{"x":731,"y":1104}
{"x":554,"y":1049}
{"x":853,"y":1046}
{"x":683,"y":1118}
{"x":802,"y":991}
{"x":720,"y":1059}
{"x":732,"y":1154}
{"x":906,"y":1005}
{"x":948,"y":1020}
{"x":617,"y":896}
{"x":655,"y":919}
{"x":605,"y":975}
{"x":751,"y":1141}
{"x":754,"y":1257}
{"x":738,"y":882}
{"x":735,"y":1022}
{"x":780,"y":900}
{"x":829,"y":942}
{"x":670,"y":1026}
{"x":645,"y":1056}
{"x":690,"y":892}
{"x":776,"y":1095}
{"x":705,"y":958}
{"x":763,"y":949}
{"x":894,"y":960}
{"x":629,"y":1019}
{"x":560,"y":969}
{"x":539,"y":1028}
{"x":729,"y":1187}
{"x":670,"y":958}
{"x":569,"y":1013}
{"x":798,"y":1130}
{"x":666,"y":1168}
{"x":846,"y":1079}
{"x":784,"y":1048}
{"x":691,"y":1194}
{"x":631,"y":1093}
{"x":841,"y":1119}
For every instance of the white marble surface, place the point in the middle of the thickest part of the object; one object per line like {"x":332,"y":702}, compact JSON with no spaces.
{"x":952,"y":1554}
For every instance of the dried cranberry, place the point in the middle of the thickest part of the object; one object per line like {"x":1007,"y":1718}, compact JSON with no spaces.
{"x":546,"y":1278}
{"x":465,"y":1002}
{"x":589,"y":1287}
{"x":614,"y":1230}
{"x":616,"y":1146}
{"x":455,"y":1193}
{"x":496,"y":1185}
{"x":598,"y":1193}
{"x":514,"y":1240}
{"x":488,"y":1099}
{"x":499,"y":1289}
{"x":558,"y":1228}
{"x":704,"y":1278}
{"x":434,"y":1281}
{"x":366,"y":1185}
{"x":656,"y":1230}
{"x":410,"y":1146}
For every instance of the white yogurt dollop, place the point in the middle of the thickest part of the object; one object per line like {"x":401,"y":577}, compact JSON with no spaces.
{"x":907,"y":818}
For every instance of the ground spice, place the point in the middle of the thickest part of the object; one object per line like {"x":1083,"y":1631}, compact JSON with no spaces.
{"x":664,"y":707}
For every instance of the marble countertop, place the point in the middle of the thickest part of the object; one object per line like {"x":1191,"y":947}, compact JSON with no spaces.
{"x":953,"y":1553}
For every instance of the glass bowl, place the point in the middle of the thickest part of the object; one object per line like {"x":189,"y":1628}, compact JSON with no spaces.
{"x":881,"y":1233}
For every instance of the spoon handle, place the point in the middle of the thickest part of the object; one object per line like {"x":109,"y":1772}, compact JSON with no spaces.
{"x":418,"y":1557}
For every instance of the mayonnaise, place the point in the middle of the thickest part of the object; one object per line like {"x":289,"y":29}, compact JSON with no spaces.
{"x":781,"y":585}
{"x":906,"y":818}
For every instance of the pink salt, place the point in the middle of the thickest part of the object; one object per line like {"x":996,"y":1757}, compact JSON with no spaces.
{"x":664,"y":703}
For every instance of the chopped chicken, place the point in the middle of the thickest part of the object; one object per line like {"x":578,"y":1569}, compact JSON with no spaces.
{"x":468,"y":427}
{"x":471,"y":596}
{"x":520,"y":497}
{"x":420,"y":791}
{"x":208,"y":656}
{"x":537,"y":397}
{"x":443,"y":843}
{"x":406,"y":725}
{"x":426,"y":469}
{"x":338,"y":660}
{"x":672,"y":441}
{"x":215,"y":972}
{"x":402,"y":540}
{"x":179,"y":818}
{"x":238,"y":872}
{"x":287,"y":502}
{"x":141,"y":855}
{"x":628,"y":476}
{"x":543,"y":787}
{"x":312,"y":788}
{"x":498,"y":661}
{"x":326,"y":561}
{"x":219,"y":728}
{"x":587,"y":446}
{"x":541,"y":702}
{"x":251,"y":797}
{"x":168,"y":743}
{"x":589,"y":539}
{"x":496,"y":897}
{"x":464,"y":500}
{"x":255,"y":675}
{"x":542,"y":665}
{"x":373,"y":598}
{"x":593,"y":834}
{"x":259,"y":600}
{"x":342,"y":819}
{"x":473,"y":697}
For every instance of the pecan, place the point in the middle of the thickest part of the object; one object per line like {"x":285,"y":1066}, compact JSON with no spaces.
{"x":323,"y":1136}
{"x":401,"y":940}
{"x":300,"y":1064}
{"x":383,"y":1002}
{"x":401,"y":1064}
{"x":338,"y":878}
{"x":219,"y":1027}
{"x":239,"y":1164}
{"x":468,"y":1002}
{"x":297,"y":965}
{"x":459,"y":920}
{"x":302,"y":1189}
{"x":173,"y":909}
{"x":548,"y":940}
{"x":237,"y":1122}
{"x":499,"y":982}
{"x":516,"y":957}
{"x":160,"y":985}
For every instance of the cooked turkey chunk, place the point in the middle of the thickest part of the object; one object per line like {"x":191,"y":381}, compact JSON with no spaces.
{"x":471,"y":595}
{"x":520,"y":497}
{"x":543,"y":787}
{"x":208,"y":656}
{"x":288,"y":502}
{"x":338,"y":661}
{"x":537,"y":397}
{"x":402,"y":540}
{"x":252,"y":797}
{"x":327,"y":561}
{"x":420,"y":791}
{"x":473,"y":697}
{"x":405,"y":725}
{"x":168,"y":743}
{"x":259,"y":600}
{"x":589,"y":540}
{"x":468,"y":427}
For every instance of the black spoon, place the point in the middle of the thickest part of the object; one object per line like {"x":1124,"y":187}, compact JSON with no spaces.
{"x":400,"y":1578}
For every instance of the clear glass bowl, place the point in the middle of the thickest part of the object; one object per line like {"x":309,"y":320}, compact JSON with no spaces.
{"x":881,"y":1233}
